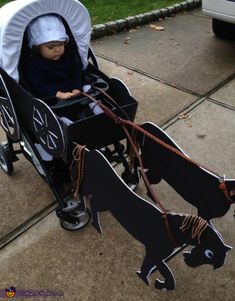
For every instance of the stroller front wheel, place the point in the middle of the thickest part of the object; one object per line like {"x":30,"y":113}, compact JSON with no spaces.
{"x":5,"y":160}
{"x":132,"y":178}
{"x":76,"y":220}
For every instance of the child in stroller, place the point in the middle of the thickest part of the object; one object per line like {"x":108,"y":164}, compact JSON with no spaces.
{"x":52,"y":71}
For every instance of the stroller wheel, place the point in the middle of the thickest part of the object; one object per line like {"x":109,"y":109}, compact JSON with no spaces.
{"x":76,"y":220}
{"x":5,"y":160}
{"x":134,"y":181}
{"x":131,"y":178}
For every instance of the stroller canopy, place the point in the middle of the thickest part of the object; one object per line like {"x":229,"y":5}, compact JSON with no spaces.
{"x":16,"y":15}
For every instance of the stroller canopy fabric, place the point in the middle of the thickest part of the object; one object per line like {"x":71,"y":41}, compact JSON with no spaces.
{"x":16,"y":15}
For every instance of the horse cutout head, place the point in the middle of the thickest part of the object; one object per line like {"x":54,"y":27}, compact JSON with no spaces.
{"x":144,"y":221}
{"x":210,"y":249}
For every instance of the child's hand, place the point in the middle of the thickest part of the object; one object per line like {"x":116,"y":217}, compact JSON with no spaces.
{"x":64,"y":95}
{"x":76,"y":92}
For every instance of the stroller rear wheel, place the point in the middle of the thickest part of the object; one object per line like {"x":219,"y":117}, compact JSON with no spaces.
{"x":5,"y":159}
{"x":76,"y":220}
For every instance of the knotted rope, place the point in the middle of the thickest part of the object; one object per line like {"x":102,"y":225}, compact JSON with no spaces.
{"x":197,"y":225}
{"x":79,"y":158}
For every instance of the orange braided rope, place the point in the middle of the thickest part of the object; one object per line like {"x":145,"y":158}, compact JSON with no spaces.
{"x":197,"y":225}
{"x":222,"y":184}
{"x":152,"y":192}
{"x":121,"y":121}
{"x":224,"y":188}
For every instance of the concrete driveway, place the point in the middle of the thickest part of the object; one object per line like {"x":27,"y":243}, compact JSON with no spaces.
{"x":184,"y":80}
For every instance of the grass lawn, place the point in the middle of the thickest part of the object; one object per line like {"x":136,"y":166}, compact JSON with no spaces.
{"x":2,"y":2}
{"x":102,"y":11}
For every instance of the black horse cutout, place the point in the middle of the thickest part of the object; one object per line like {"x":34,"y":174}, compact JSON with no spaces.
{"x":195,"y":184}
{"x":144,"y":222}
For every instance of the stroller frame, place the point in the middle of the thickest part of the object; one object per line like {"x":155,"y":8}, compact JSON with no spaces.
{"x":67,"y":209}
{"x":36,"y":122}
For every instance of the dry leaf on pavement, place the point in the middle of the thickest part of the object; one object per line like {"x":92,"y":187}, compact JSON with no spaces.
{"x":201,"y":136}
{"x":156,"y":27}
{"x":127,"y":40}
{"x":133,"y":30}
{"x":183,"y":116}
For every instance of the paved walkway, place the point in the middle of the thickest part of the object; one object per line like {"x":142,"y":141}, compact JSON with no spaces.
{"x":184,"y":80}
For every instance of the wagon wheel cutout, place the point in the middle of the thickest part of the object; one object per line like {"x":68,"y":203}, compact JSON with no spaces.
{"x":47,"y":129}
{"x":8,"y":119}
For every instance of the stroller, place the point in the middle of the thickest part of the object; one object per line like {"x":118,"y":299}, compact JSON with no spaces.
{"x":95,"y":141}
{"x":41,"y":127}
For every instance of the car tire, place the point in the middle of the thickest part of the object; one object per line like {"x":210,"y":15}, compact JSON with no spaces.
{"x":222,"y":29}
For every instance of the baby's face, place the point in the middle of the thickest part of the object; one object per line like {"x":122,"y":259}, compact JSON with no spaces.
{"x":52,"y":50}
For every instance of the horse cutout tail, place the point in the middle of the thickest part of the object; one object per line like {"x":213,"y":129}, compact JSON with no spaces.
{"x":144,"y":221}
{"x":197,"y":185}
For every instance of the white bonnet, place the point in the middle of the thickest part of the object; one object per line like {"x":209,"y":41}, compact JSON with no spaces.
{"x":46,"y":29}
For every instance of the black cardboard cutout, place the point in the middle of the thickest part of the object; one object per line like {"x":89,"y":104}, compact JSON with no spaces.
{"x":195,"y":184}
{"x":144,"y":222}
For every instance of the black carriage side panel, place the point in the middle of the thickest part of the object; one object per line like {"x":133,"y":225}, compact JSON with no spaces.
{"x":21,"y":100}
{"x":8,"y":118}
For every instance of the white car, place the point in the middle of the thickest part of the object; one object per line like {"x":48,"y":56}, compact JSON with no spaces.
{"x":223,"y":16}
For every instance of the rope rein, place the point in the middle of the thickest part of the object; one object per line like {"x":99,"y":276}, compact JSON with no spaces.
{"x":151,"y":191}
{"x":135,"y":152}
{"x":197,"y":224}
{"x":136,"y":127}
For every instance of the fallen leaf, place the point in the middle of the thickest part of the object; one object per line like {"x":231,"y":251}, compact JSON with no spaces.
{"x":127,"y":40}
{"x":130,"y":72}
{"x":201,"y":136}
{"x":156,"y":27}
{"x":183,"y":116}
{"x":133,"y":30}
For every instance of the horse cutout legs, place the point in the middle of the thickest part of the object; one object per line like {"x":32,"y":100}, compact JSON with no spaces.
{"x":149,"y":266}
{"x":195,"y":184}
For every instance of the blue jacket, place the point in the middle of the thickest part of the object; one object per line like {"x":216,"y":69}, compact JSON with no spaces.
{"x":46,"y":77}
